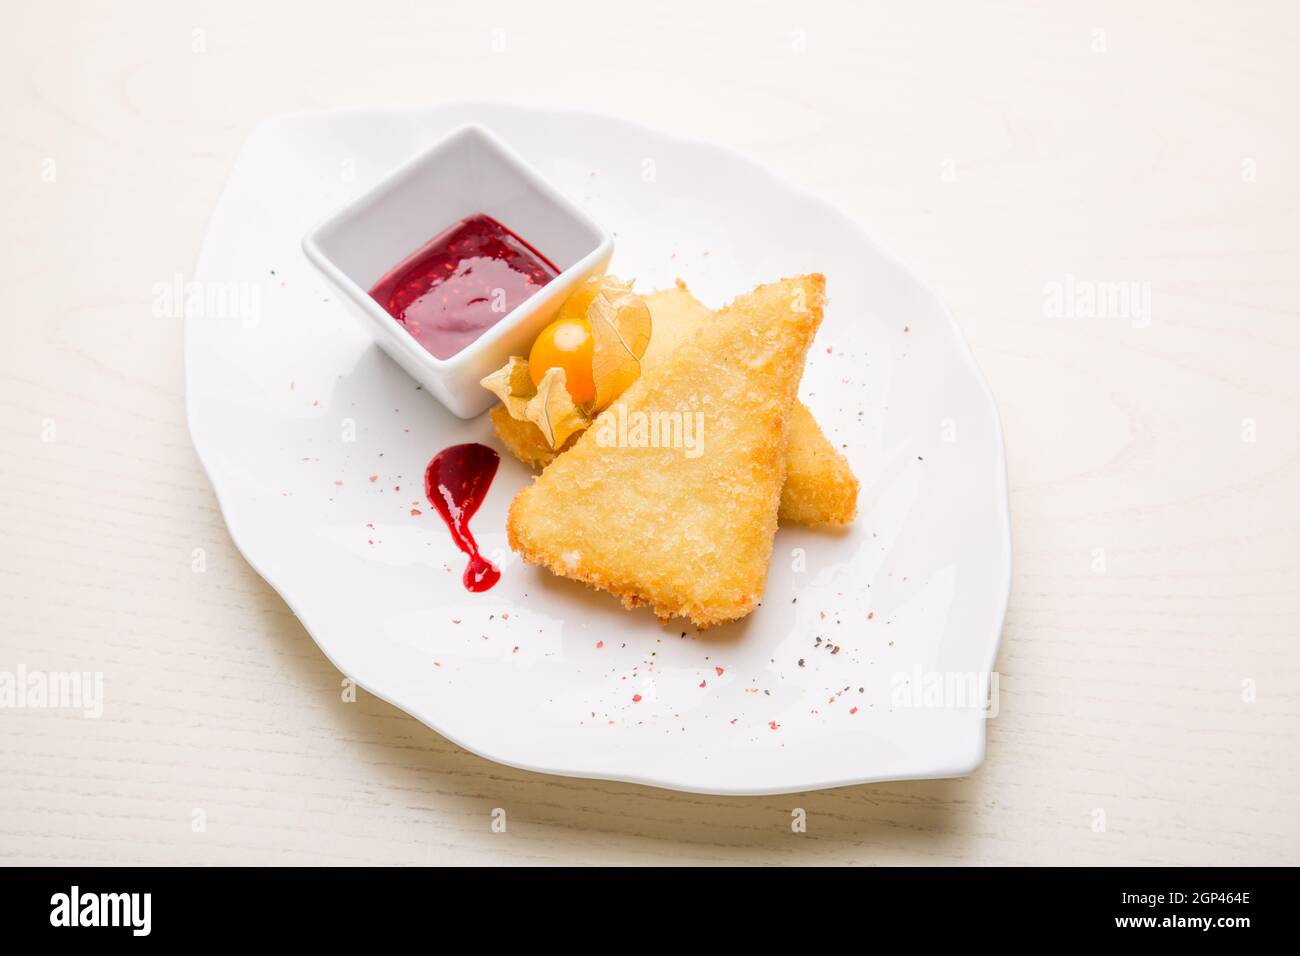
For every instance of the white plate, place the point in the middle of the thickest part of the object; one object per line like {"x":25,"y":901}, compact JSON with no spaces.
{"x":292,"y":411}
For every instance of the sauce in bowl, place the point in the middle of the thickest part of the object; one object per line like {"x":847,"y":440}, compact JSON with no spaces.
{"x":462,"y":282}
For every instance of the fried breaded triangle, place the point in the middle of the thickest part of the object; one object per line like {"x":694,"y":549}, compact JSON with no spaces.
{"x":819,"y":489}
{"x":688,"y":532}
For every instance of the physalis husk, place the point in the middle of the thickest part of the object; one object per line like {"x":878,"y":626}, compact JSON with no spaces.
{"x":552,"y":409}
{"x":621,"y":329}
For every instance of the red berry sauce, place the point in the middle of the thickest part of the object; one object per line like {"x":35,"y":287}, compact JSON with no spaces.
{"x":462,"y":282}
{"x":456,"y":482}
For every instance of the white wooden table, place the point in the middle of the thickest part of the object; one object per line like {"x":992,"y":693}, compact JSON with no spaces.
{"x":1008,"y":151}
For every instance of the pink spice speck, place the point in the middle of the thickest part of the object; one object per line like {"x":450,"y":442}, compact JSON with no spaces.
{"x":636,"y":698}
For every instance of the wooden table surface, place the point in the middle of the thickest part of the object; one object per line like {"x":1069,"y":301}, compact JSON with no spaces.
{"x":1008,"y":151}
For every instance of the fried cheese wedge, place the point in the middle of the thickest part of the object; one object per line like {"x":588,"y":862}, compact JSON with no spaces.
{"x":687,"y":531}
{"x":820,"y":488}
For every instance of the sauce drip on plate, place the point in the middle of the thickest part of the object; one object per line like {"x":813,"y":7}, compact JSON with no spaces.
{"x":456,"y":482}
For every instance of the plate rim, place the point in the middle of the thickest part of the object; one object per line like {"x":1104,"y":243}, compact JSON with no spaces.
{"x":1001,"y":490}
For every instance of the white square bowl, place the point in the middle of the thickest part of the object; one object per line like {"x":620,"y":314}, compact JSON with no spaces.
{"x":469,"y":171}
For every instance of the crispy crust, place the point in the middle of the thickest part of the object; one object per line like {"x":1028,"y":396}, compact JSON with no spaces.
{"x":524,"y":440}
{"x":820,"y":488}
{"x":688,"y":536}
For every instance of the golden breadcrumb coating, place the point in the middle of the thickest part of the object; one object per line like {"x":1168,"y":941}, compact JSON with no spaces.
{"x":689,"y":535}
{"x":524,"y":440}
{"x":820,"y":488}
